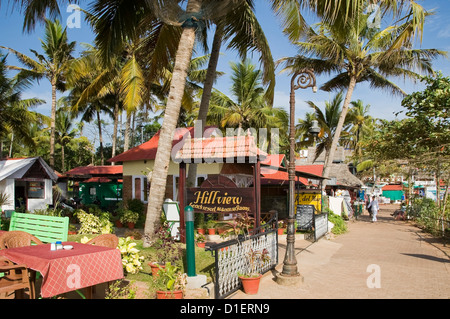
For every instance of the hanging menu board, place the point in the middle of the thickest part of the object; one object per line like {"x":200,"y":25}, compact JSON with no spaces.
{"x":304,"y":217}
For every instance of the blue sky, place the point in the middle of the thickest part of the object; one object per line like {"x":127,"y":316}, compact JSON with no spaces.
{"x":436,"y":35}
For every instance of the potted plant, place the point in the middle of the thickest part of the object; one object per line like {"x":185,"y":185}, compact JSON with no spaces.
{"x":250,"y":279}
{"x":281,"y":227}
{"x":130,"y":218}
{"x":200,"y":222}
{"x":201,"y":240}
{"x":211,"y":226}
{"x":166,"y":250}
{"x":170,"y":282}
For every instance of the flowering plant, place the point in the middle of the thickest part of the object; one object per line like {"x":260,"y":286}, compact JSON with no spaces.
{"x":131,"y":260}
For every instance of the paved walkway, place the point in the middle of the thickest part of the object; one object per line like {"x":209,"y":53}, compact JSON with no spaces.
{"x":394,"y":255}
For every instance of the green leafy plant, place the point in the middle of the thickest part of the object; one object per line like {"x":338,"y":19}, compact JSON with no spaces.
{"x":121,"y":290}
{"x":129,"y":216}
{"x":200,"y":238}
{"x":4,"y":199}
{"x":131,"y":259}
{"x":170,"y":278}
{"x":92,"y":224}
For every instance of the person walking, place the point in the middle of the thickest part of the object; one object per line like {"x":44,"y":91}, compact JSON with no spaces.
{"x":373,"y":207}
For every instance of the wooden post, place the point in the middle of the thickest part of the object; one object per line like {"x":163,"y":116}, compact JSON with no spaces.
{"x":181,"y":200}
{"x":257,"y":186}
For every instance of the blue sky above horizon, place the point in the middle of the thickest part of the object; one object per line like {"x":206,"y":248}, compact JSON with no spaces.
{"x":436,"y":35}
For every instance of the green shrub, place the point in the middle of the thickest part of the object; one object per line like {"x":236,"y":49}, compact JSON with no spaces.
{"x":340,"y":226}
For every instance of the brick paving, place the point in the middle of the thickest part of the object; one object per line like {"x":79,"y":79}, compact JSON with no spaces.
{"x":411,"y":264}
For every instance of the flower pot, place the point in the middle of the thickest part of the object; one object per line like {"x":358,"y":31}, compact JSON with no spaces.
{"x":155,"y":268}
{"x":165,"y":294}
{"x":119,"y":224}
{"x":200,"y":231}
{"x":130,"y":225}
{"x":250,"y":284}
{"x":281,"y":231}
{"x":211,"y":231}
{"x":201,"y":245}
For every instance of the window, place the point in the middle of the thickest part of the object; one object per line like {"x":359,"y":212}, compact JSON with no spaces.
{"x":140,"y":187}
{"x":36,"y":189}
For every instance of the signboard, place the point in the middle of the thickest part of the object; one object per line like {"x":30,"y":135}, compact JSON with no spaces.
{"x":320,"y":225}
{"x":304,"y":217}
{"x":314,"y":199}
{"x":222,"y":200}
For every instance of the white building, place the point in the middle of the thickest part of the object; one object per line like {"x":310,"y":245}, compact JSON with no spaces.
{"x":26,"y":182}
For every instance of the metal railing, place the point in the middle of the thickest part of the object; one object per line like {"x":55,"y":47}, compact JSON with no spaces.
{"x":231,"y":257}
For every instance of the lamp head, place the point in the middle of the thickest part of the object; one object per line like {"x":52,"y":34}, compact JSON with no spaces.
{"x":315,"y":129}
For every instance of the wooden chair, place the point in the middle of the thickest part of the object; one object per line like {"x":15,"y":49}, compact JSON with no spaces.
{"x":105,"y":240}
{"x":17,"y":238}
{"x":15,"y":278}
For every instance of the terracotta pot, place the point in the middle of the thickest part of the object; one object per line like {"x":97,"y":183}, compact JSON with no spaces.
{"x":119,"y":224}
{"x":200,"y":231}
{"x":164,"y":294}
{"x":201,"y":245}
{"x":130,"y":225}
{"x":211,"y":231}
{"x":250,"y":284}
{"x":155,"y":268}
{"x":281,"y":231}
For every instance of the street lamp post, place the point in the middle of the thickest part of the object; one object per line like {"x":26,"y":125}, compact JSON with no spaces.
{"x":300,"y":80}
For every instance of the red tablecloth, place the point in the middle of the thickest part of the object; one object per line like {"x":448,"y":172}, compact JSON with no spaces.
{"x":68,"y":270}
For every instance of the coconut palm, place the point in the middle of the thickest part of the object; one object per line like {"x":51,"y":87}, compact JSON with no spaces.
{"x":15,"y":112}
{"x":328,"y":121}
{"x":65,"y":130}
{"x":360,"y":53}
{"x":249,"y":109}
{"x":361,"y":121}
{"x":52,"y":65}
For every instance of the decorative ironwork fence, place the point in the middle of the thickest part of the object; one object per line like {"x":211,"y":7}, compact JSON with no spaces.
{"x":231,"y":257}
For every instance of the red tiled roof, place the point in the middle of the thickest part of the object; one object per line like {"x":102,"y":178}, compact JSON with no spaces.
{"x":96,"y":170}
{"x":219,"y":148}
{"x":277,"y":160}
{"x":272,"y":176}
{"x":147,"y":150}
{"x":392,"y":188}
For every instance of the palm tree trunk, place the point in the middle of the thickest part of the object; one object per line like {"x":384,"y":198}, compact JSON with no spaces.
{"x":337,"y":133}
{"x":53,"y":125}
{"x":116,"y":121}
{"x":126,"y":143}
{"x":63,"y":164}
{"x":162,"y":160}
{"x":206,"y":95}
{"x":100,"y":137}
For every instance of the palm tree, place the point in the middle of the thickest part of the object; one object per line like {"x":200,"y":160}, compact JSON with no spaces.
{"x":328,"y":122}
{"x":14,"y":111}
{"x":360,"y":120}
{"x":250,"y":108}
{"x":53,"y":66}
{"x":361,"y":53}
{"x":64,"y":131}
